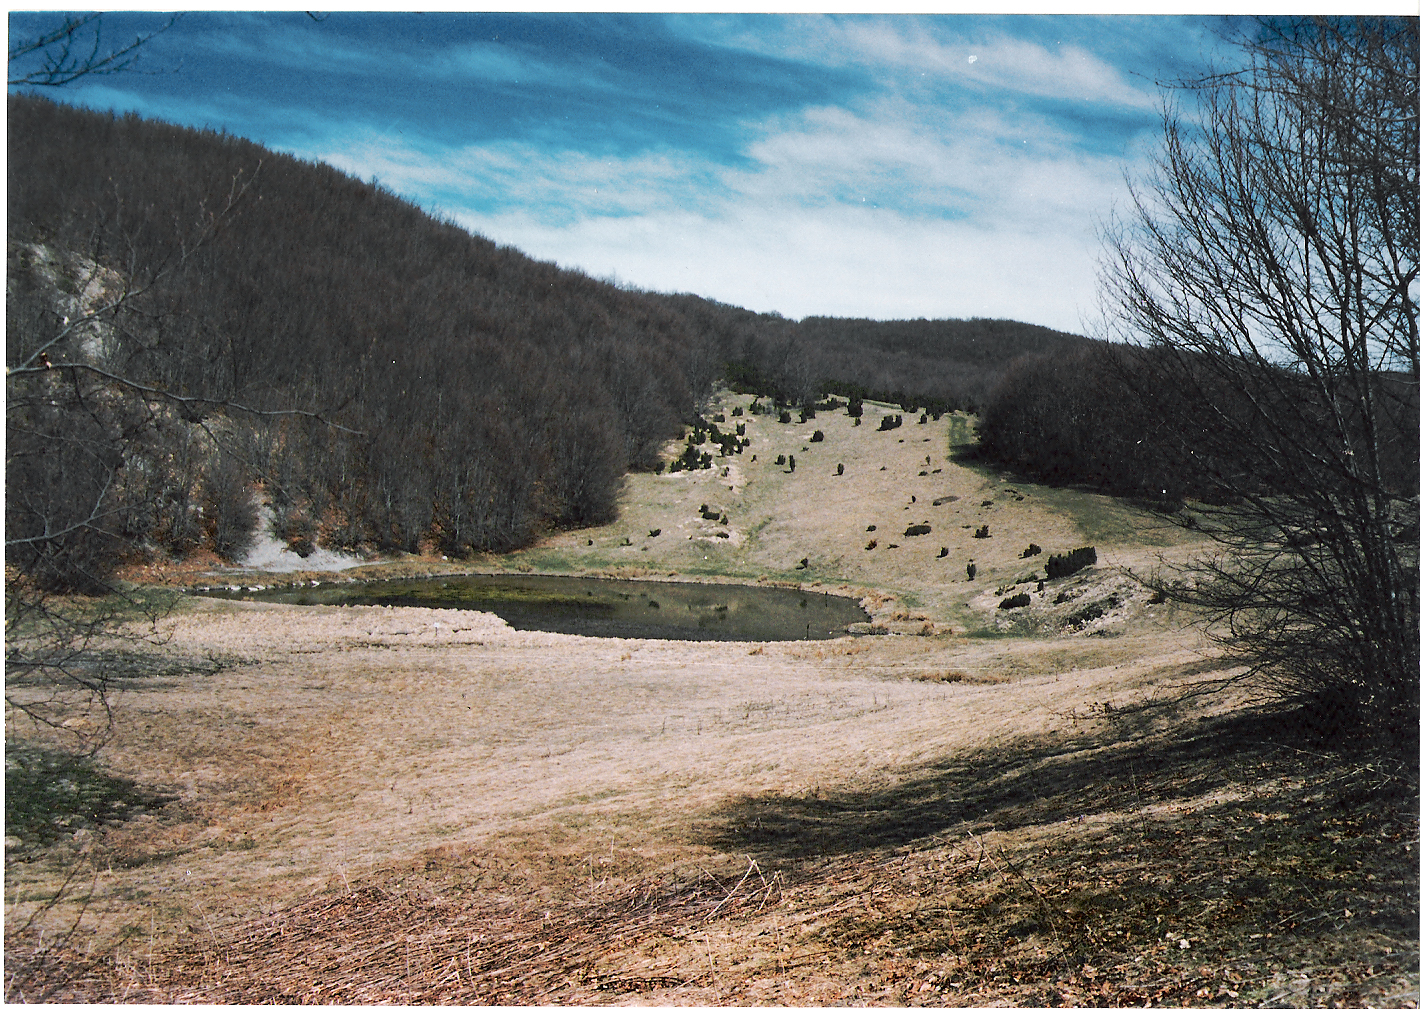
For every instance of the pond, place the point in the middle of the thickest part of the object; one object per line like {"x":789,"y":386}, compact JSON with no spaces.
{"x":600,"y":607}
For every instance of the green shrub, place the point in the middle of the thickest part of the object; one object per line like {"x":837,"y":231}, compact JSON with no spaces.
{"x":1065,"y":565}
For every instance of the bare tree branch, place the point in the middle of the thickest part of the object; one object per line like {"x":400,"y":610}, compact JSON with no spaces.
{"x":1269,"y":266}
{"x":71,"y":50}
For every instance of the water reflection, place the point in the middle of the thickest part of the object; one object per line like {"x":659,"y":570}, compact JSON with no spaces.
{"x":603,"y":607}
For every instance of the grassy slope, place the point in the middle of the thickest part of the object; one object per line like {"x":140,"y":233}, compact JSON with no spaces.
{"x":409,"y":806}
{"x":778,"y":518}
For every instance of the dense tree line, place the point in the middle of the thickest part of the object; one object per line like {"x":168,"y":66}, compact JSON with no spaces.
{"x":1142,"y":422}
{"x":938,"y":364}
{"x":467,"y":395}
{"x":382,"y":377}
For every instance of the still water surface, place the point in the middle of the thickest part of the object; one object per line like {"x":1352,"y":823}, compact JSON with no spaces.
{"x":602,"y":607}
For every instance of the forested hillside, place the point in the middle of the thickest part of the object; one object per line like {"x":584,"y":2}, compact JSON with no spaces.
{"x":193,"y":316}
{"x":495,"y":393}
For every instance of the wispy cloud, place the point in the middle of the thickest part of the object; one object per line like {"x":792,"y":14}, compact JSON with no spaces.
{"x":863,"y":166}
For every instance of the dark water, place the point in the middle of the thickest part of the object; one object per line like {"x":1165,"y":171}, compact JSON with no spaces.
{"x":602,"y":607}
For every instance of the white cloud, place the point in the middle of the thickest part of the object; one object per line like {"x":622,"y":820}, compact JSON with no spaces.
{"x":892,"y":204}
{"x":927,"y":51}
{"x":889,"y":211}
{"x":843,"y":262}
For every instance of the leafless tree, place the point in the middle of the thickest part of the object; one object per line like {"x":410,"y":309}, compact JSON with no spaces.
{"x":83,"y":437}
{"x":72,"y":49}
{"x":1270,"y":264}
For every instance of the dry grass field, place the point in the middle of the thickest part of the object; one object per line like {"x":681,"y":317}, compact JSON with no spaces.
{"x":975,"y":806}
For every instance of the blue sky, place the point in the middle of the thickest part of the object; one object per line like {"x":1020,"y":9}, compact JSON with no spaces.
{"x":887,"y":167}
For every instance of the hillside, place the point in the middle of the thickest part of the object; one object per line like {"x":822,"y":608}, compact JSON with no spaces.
{"x":972,"y":806}
{"x":383,"y":378}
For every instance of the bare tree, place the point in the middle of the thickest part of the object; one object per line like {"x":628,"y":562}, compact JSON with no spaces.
{"x":73,"y":49}
{"x":87,"y":462}
{"x":1270,"y":265}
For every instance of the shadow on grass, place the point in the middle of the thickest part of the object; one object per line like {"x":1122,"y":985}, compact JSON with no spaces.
{"x":1299,"y":856}
{"x":1048,"y":781}
{"x":50,"y":794}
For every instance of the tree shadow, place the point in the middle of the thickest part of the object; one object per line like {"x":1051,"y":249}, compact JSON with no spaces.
{"x":1050,"y":779}
{"x":51,"y":793}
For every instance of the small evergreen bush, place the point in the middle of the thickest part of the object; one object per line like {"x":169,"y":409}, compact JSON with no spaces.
{"x":1065,"y":565}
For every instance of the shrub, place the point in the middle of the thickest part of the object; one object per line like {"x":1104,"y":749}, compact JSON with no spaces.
{"x":785,"y":417}
{"x":921,"y":529}
{"x":984,"y":533}
{"x":817,"y":436}
{"x":1015,"y":602}
{"x":230,"y":510}
{"x":1030,"y":551}
{"x":971,"y":571}
{"x":1065,"y":565}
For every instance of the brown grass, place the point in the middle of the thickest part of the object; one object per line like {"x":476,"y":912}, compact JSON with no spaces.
{"x":375,"y":805}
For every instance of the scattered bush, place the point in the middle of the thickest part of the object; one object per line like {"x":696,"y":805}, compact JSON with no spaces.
{"x":1015,"y":602}
{"x":840,"y":469}
{"x":1065,"y":565}
{"x":817,"y":436}
{"x":984,"y":533}
{"x":921,"y":529}
{"x":872,"y":545}
{"x":971,"y":571}
{"x":1030,"y":551}
{"x":785,"y":417}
